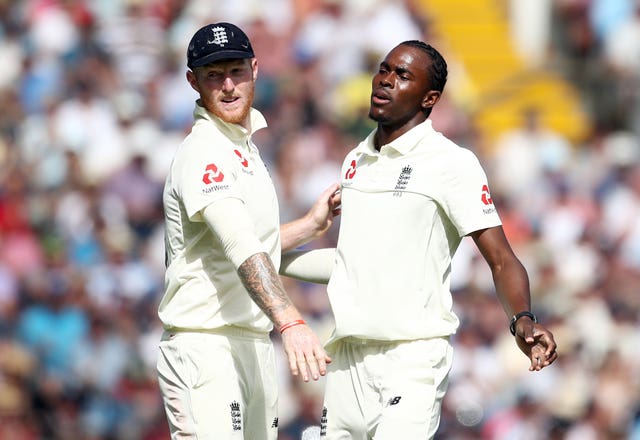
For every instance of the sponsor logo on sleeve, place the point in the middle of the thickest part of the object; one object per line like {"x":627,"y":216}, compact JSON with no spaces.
{"x":349,"y":175}
{"x":351,"y":172}
{"x":213,"y":178}
{"x":244,"y":162}
{"x":212,"y":174}
{"x":487,"y":200}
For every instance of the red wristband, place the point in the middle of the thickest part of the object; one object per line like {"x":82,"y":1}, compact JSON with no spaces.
{"x":291,"y":324}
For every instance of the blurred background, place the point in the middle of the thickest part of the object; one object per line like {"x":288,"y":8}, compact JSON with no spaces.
{"x":94,"y":101}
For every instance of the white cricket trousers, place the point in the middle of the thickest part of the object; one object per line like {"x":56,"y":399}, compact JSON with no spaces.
{"x":219,"y":385}
{"x":385,"y":390}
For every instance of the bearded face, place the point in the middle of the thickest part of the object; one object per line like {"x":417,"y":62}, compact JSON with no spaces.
{"x":226,"y":88}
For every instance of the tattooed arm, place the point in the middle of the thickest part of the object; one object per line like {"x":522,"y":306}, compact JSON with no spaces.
{"x":265,"y":288}
{"x":230,"y":222}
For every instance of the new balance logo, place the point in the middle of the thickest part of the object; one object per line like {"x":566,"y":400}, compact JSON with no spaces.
{"x":394,"y":400}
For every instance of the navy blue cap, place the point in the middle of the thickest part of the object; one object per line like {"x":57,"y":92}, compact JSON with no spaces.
{"x":218,"y":41}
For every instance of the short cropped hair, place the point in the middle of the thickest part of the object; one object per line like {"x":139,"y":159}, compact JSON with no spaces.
{"x":438,"y":67}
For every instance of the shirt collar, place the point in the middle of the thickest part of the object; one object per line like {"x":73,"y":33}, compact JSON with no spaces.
{"x":403,"y":145}
{"x":232,"y":131}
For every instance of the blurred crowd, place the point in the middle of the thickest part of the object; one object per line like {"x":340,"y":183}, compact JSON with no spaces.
{"x":93,"y":103}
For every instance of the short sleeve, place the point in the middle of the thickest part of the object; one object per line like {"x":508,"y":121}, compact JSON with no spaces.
{"x":205,"y":176}
{"x":467,"y":197}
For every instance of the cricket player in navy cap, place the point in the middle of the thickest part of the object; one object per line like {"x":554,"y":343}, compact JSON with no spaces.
{"x":223,"y":295}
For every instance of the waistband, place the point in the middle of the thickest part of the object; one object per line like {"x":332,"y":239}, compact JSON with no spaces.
{"x":355,"y":340}
{"x":227,"y":330}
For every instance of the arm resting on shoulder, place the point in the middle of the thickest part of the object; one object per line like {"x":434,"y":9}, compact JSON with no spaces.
{"x":230,"y":222}
{"x":314,"y":223}
{"x":314,"y":265}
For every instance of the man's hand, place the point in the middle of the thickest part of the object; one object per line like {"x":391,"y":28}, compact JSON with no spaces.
{"x":537,"y":343}
{"x":315,"y":222}
{"x":304,"y":352}
{"x":325,"y":209}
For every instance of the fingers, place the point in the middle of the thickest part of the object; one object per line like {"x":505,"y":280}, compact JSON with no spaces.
{"x":309,"y":365}
{"x":538,"y":362}
{"x":545,"y":339}
{"x":551,"y":358}
{"x":306,"y":356}
{"x":538,"y":344}
{"x":304,"y":371}
{"x":543,"y":353}
{"x":293,"y":365}
{"x":336,"y":197}
{"x":537,"y":357}
{"x":333,"y":196}
{"x":298,"y":366}
{"x":330,"y":192}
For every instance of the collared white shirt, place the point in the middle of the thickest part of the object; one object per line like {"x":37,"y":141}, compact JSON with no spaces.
{"x":215,"y":161}
{"x":405,"y":210}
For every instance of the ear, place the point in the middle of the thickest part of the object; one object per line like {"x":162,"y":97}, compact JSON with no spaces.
{"x":254,"y":68}
{"x":430,"y":99}
{"x":191,"y":78}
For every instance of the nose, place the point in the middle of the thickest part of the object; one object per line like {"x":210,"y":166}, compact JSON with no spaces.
{"x":227,"y":84}
{"x":385,"y":80}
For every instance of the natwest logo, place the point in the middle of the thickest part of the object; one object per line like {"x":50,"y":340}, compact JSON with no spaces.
{"x":243,"y":160}
{"x":212,"y":174}
{"x":351,"y":171}
{"x":486,"y":196}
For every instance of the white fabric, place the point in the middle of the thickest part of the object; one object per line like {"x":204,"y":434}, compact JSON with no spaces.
{"x":216,"y":161}
{"x":404,"y":212}
{"x":200,"y":383}
{"x":313,"y":266}
{"x":230,"y":222}
{"x":398,"y":391}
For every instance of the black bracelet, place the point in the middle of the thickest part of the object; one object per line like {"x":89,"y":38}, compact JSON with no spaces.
{"x":512,"y":325}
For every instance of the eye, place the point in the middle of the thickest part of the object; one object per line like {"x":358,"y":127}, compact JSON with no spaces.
{"x":403,"y":74}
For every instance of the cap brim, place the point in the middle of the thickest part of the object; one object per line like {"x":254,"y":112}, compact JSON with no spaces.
{"x":221,"y":55}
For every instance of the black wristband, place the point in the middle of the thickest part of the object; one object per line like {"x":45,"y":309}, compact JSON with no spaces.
{"x":512,"y":324}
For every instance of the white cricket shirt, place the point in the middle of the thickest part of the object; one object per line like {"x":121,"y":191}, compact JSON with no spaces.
{"x":405,"y":210}
{"x":215,"y":161}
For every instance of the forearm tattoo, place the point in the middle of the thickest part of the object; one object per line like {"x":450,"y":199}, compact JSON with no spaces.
{"x":261,"y":280}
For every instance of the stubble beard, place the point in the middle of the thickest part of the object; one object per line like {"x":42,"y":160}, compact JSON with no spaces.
{"x":238,"y":116}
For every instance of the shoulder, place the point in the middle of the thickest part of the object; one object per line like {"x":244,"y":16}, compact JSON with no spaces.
{"x":447,"y":153}
{"x":205,"y":143}
{"x":354,"y":153}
